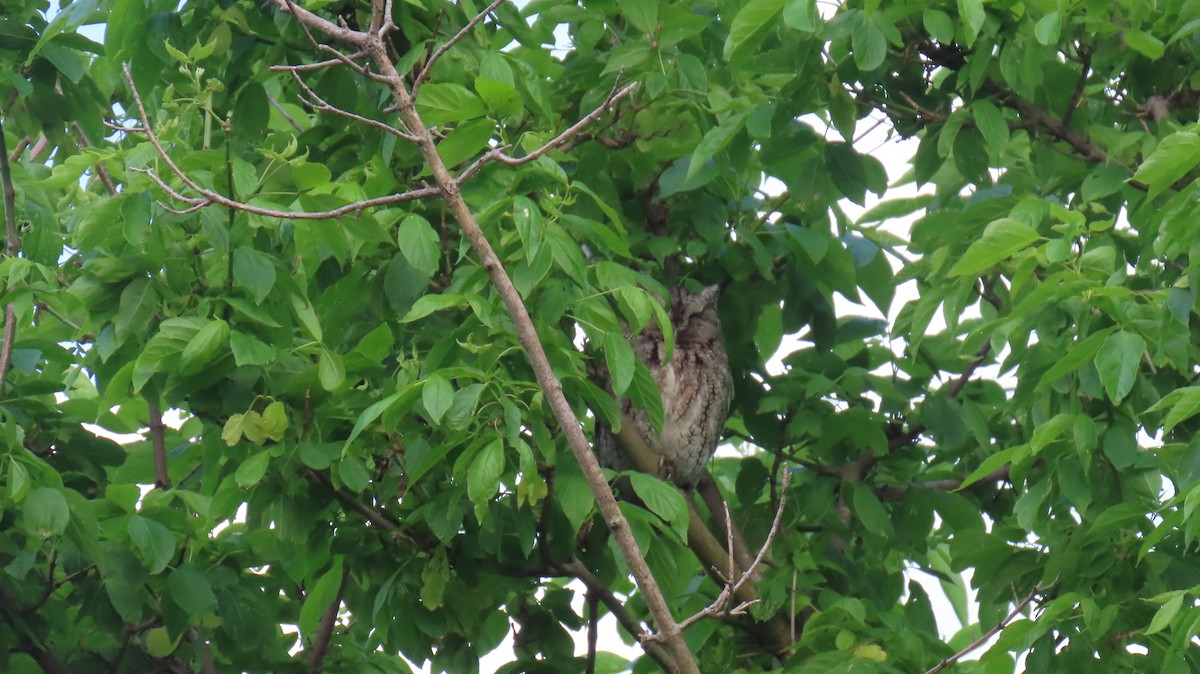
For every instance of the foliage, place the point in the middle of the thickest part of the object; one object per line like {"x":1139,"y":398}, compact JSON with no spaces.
{"x":365,"y":452}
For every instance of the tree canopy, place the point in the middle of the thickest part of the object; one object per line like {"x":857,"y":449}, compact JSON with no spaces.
{"x":373,"y":256}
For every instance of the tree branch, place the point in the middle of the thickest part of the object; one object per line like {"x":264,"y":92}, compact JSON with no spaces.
{"x":211,"y":197}
{"x":158,"y":441}
{"x":983,"y":638}
{"x":731,"y":586}
{"x":320,"y":644}
{"x":498,"y":153}
{"x":12,"y":249}
{"x":526,"y":333}
{"x":437,"y":54}
{"x":616,"y":606}
{"x":321,"y":105}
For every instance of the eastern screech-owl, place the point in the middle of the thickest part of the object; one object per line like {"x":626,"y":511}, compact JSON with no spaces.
{"x":695,"y":387}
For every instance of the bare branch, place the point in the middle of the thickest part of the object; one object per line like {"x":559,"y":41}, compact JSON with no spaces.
{"x":320,"y":643}
{"x":616,"y":606}
{"x":376,"y":517}
{"x":731,"y":588}
{"x":321,"y":105}
{"x":433,"y":59}
{"x":284,"y":113}
{"x":12,"y":249}
{"x":497,"y":154}
{"x":158,"y":442}
{"x":215,"y":197}
{"x":983,"y":638}
{"x":319,"y":65}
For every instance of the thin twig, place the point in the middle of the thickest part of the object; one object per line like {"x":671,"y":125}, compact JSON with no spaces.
{"x":616,"y":606}
{"x":321,"y":105}
{"x":284,"y":113}
{"x":731,"y":588}
{"x":437,"y":54}
{"x":211,"y":197}
{"x":319,"y":65}
{"x":986,"y":635}
{"x":12,"y":249}
{"x":375,"y":517}
{"x":498,"y":153}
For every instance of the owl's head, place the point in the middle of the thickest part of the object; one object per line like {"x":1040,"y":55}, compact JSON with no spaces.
{"x":694,"y":315}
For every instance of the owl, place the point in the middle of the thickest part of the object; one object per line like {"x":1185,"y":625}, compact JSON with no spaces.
{"x":694,"y":385}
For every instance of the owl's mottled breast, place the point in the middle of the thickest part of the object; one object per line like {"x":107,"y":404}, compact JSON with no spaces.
{"x":694,"y":384}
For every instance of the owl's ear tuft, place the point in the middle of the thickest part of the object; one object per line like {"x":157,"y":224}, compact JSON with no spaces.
{"x":708,"y":296}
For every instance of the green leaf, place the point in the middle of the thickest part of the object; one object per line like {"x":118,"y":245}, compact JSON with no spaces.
{"x":483,"y":477}
{"x":320,"y":596}
{"x":868,"y":43}
{"x":802,"y":15}
{"x":319,"y":455}
{"x":139,"y":301}
{"x":369,"y":415}
{"x":574,"y":496}
{"x":251,"y":471}
{"x":1002,"y":239}
{"x":528,"y":220}
{"x":155,"y":542}
{"x":1175,"y":156}
{"x":619,"y":357}
{"x":309,"y":175}
{"x":642,"y":14}
{"x":67,"y":19}
{"x":204,"y":346}
{"x":870,"y":511}
{"x":1144,"y":43}
{"x":308,"y":317}
{"x":992,"y":126}
{"x":1082,"y":352}
{"x":466,"y":141}
{"x":749,"y":25}
{"x":663,"y":499}
{"x":254,"y":271}
{"x":434,"y":578}
{"x":994,"y":462}
{"x":251,"y":113}
{"x":1048,"y":432}
{"x":1165,"y":614}
{"x":440,"y":103}
{"x":353,"y":474}
{"x":1047,"y":27}
{"x":716,"y":139}
{"x":437,"y":395}
{"x":190,"y":590}
{"x":847,"y":170}
{"x":159,"y":643}
{"x":275,"y":420}
{"x":939,"y":24}
{"x":1118,"y":362}
{"x":249,"y":350}
{"x":330,"y":370}
{"x":46,"y":512}
{"x":643,"y":391}
{"x":430,"y":303}
{"x":973,"y":16}
{"x":1184,"y":403}
{"x":234,"y":429}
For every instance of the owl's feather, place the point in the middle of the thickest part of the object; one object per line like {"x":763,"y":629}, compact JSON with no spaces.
{"x":694,"y":385}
